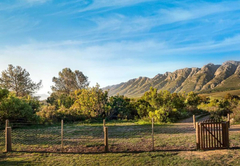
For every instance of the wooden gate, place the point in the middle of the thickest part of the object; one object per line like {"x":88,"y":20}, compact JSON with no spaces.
{"x":212,"y":134}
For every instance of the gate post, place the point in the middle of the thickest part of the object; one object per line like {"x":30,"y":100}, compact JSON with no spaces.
{"x":227,"y":135}
{"x":197,"y":136}
{"x":224,"y":133}
{"x":8,"y":139}
{"x":200,"y":136}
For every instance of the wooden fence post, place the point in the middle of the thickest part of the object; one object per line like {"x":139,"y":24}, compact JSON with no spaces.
{"x":106,"y":139}
{"x":152,"y":134}
{"x":8,"y":139}
{"x":194,"y":121}
{"x":227,"y":135}
{"x":197,"y":136}
{"x":200,"y":136}
{"x":62,"y":135}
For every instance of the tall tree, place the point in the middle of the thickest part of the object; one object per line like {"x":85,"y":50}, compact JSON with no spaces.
{"x":18,"y":80}
{"x":69,"y":81}
{"x":90,"y":102}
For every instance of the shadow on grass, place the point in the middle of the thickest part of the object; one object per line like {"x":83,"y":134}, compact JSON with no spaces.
{"x":14,"y":163}
{"x":120,"y":152}
{"x":129,"y":152}
{"x":234,"y":129}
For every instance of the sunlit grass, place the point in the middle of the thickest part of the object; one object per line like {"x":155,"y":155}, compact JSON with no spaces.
{"x":185,"y":158}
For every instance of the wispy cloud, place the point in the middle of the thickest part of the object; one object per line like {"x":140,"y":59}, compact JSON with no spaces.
{"x":197,"y":10}
{"x":101,"y":4}
{"x":11,"y":25}
{"x":118,"y":24}
{"x":20,"y":4}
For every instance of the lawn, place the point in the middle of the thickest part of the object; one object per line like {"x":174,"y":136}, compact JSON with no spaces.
{"x":183,"y":158}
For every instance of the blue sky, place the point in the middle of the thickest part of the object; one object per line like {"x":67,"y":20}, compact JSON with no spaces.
{"x":112,"y":41}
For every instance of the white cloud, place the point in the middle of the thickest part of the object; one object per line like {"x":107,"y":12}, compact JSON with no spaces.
{"x":19,"y":4}
{"x":119,"y":24}
{"x":100,"y":4}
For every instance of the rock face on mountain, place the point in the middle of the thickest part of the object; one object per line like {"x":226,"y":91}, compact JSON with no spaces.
{"x":208,"y":77}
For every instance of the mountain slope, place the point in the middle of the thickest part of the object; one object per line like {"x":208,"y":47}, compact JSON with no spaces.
{"x":208,"y":77}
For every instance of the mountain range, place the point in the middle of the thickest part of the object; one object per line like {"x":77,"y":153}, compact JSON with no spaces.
{"x":209,"y":77}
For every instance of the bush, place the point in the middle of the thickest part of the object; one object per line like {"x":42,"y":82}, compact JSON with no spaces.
{"x":15,"y":109}
{"x":165,"y":115}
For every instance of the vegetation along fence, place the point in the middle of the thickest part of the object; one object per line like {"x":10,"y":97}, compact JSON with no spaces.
{"x":117,"y":137}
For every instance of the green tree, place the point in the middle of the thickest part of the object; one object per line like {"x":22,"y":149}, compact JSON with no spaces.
{"x":143,"y":108}
{"x":91,"y":102}
{"x":192,"y":99}
{"x":14,"y":108}
{"x":48,"y":113}
{"x":177,"y":101}
{"x":121,"y":107}
{"x":152,"y":97}
{"x":18,"y":80}
{"x":69,"y":81}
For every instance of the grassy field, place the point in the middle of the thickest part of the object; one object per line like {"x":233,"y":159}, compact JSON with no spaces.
{"x":183,"y":158}
{"x":222,"y":94}
{"x":129,"y":143}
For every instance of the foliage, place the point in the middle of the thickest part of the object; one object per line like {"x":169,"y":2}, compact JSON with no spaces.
{"x":219,"y":108}
{"x":59,"y":100}
{"x":143,"y":108}
{"x":166,"y":107}
{"x":14,"y":108}
{"x":73,"y":100}
{"x":121,"y":107}
{"x":18,"y":80}
{"x":48,"y":113}
{"x":236,"y":113}
{"x":69,"y":81}
{"x":90,"y":102}
{"x":33,"y":102}
{"x":192,"y":99}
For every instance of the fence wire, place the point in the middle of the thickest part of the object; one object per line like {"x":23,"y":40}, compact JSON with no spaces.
{"x":121,"y":138}
{"x":37,"y":138}
{"x":83,"y":139}
{"x":175,"y":137}
{"x":129,"y":138}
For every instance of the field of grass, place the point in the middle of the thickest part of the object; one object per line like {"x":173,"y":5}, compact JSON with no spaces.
{"x":221,"y":94}
{"x":129,"y":144}
{"x":183,"y":158}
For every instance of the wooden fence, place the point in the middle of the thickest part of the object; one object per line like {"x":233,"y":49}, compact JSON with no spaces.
{"x":8,"y":137}
{"x":212,"y":134}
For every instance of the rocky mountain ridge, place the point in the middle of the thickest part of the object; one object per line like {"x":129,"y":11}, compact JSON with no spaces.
{"x":194,"y":79}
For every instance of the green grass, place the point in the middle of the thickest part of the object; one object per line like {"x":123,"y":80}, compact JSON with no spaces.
{"x":221,"y":94}
{"x":185,"y":158}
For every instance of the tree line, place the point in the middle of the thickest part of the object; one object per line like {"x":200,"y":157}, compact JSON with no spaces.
{"x":72,"y":99}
